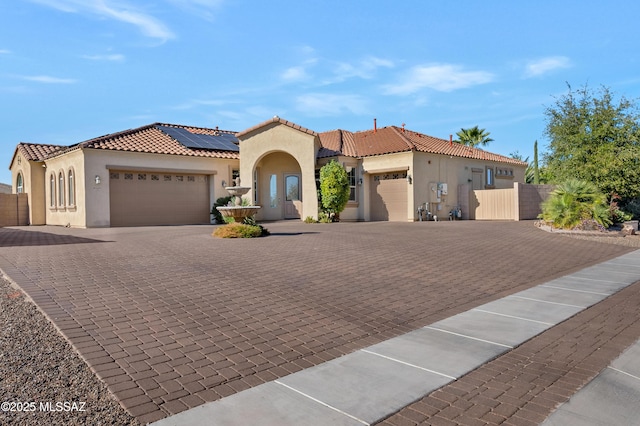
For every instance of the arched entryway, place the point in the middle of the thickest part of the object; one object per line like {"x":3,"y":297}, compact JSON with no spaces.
{"x":279,"y":158}
{"x":278,"y":181}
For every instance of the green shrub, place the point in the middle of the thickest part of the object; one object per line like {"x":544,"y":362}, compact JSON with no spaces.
{"x":574,"y":202}
{"x":238,"y":230}
{"x":324,"y":217}
{"x":252,"y":222}
{"x":617,"y":214}
{"x":309,"y":219}
{"x":632,"y":206}
{"x":334,"y":188}
{"x":220,"y":202}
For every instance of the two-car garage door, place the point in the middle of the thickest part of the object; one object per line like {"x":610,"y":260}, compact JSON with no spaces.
{"x":388,"y":196}
{"x":141,"y":198}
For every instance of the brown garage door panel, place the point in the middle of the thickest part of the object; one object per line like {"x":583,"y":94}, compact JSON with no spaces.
{"x":389,"y":197}
{"x":139,"y":199}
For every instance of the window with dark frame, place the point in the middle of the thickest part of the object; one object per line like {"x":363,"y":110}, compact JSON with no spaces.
{"x":489,"y":176}
{"x":352,"y":184}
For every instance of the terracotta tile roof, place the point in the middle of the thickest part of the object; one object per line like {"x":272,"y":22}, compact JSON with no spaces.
{"x":150,"y":139}
{"x":387,"y":140}
{"x":276,"y":119}
{"x":36,"y":151}
{"x":337,"y":142}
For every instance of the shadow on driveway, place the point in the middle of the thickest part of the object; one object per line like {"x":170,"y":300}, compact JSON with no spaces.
{"x":21,"y":238}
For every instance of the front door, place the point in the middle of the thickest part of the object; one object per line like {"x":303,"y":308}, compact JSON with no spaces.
{"x":293,"y":201}
{"x":476,"y":179}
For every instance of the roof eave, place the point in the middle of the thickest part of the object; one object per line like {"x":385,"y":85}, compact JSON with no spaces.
{"x":275,"y":120}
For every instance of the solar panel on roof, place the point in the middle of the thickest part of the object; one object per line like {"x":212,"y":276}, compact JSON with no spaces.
{"x":220,"y":142}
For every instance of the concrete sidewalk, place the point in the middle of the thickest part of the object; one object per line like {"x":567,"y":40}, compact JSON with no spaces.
{"x":373,"y":383}
{"x":612,"y":398}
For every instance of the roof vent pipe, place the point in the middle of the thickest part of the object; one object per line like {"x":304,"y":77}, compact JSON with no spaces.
{"x":403,"y":127}
{"x":450,"y":140}
{"x":375,"y":125}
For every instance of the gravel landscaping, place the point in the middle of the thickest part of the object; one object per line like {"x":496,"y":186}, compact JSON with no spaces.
{"x":43,"y":381}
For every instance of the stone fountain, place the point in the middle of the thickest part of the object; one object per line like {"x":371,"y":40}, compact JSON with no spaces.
{"x":237,"y":211}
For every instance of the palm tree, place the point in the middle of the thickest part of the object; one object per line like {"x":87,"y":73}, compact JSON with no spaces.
{"x":573,"y":202}
{"x":473,"y":137}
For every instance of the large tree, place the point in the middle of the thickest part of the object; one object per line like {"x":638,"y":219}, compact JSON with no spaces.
{"x":595,"y":139}
{"x":473,"y":137}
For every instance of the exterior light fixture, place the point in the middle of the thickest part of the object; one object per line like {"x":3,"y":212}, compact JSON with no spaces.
{"x":409,"y":179}
{"x":360,"y":181}
{"x":97,"y":180}
{"x":224,"y":183}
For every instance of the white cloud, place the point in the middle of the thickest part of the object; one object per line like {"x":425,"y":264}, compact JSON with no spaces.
{"x":48,"y":79}
{"x":120,"y":11}
{"x":321,"y":104}
{"x":364,"y":69}
{"x":4,"y":52}
{"x":201,"y":8}
{"x":294,"y":74}
{"x":115,"y":57}
{"x":336,"y":71}
{"x":299,"y":72}
{"x":545,"y":65}
{"x":440,"y":77}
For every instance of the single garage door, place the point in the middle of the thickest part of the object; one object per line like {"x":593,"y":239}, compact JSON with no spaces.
{"x":389,"y":196}
{"x":147,"y":198}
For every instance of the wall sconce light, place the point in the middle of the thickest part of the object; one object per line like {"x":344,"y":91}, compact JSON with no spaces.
{"x":97,"y":180}
{"x":360,"y":181}
{"x":409,"y":179}
{"x":224,"y":183}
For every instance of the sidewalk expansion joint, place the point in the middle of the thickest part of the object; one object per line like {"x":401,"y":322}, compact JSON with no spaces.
{"x":577,"y":291}
{"x":469,"y":337}
{"x":546,"y":301}
{"x":322,"y":403}
{"x":598,"y":280}
{"x":513,"y":317}
{"x":624,"y":372}
{"x":409,"y":364}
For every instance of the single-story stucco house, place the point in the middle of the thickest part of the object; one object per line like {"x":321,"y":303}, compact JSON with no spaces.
{"x":162,"y":174}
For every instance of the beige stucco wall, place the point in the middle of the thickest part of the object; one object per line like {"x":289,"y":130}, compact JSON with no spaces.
{"x":33,"y":174}
{"x":92,"y":200}
{"x":454,"y":171}
{"x":266,"y":141}
{"x":73,"y":215}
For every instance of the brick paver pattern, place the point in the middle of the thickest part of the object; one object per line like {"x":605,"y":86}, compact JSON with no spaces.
{"x":171,"y":318}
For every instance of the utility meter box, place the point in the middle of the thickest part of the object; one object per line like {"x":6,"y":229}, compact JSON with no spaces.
{"x":437,"y":190}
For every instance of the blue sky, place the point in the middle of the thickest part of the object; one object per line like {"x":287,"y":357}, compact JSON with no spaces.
{"x":71,"y":70}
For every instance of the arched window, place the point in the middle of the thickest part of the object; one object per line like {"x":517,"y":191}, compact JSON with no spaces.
{"x":52,"y":191}
{"x":61,"y":189}
{"x":19,"y":184}
{"x":72,"y":188}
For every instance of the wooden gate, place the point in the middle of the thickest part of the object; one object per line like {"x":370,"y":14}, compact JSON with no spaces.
{"x":493,"y":204}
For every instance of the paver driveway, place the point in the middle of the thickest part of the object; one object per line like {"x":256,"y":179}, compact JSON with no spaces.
{"x":170,"y":317}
